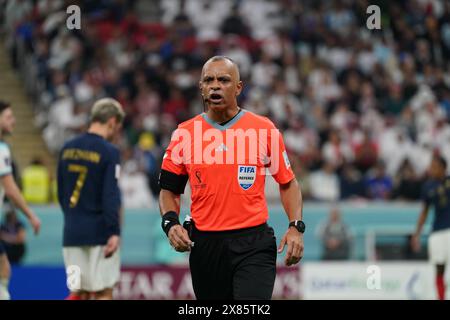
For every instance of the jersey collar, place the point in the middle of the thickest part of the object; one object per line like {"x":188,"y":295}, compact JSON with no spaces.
{"x":227,"y":125}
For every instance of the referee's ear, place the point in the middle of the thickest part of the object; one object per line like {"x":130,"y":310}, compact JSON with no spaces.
{"x":239,"y":87}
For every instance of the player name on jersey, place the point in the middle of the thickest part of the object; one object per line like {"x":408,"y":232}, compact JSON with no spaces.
{"x":78,"y":154}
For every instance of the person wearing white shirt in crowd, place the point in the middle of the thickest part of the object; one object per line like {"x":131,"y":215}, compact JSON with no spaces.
{"x":282,"y":104}
{"x":324,"y":183}
{"x":336,"y":151}
{"x":134,"y":186}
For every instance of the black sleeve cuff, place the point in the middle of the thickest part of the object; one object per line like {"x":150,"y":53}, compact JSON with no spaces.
{"x":113,"y":231}
{"x":173,"y":182}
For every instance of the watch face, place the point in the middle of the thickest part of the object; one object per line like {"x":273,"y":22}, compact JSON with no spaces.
{"x":299,"y":225}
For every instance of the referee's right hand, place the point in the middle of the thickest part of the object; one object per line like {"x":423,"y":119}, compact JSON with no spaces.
{"x":179,"y":238}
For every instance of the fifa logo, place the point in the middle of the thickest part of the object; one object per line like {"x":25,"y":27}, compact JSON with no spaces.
{"x":246,"y":176}
{"x":245,"y":169}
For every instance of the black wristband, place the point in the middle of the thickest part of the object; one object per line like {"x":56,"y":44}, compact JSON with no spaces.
{"x":169,"y":219}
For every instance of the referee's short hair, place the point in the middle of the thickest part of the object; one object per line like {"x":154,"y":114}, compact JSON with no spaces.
{"x":226,"y":58}
{"x":105,"y":109}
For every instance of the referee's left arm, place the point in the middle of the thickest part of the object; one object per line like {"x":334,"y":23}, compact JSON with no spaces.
{"x":291,"y":198}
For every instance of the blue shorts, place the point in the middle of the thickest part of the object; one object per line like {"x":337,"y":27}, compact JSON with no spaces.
{"x":2,"y":248}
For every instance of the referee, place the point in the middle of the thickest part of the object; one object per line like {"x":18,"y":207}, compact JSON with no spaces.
{"x":232,"y":249}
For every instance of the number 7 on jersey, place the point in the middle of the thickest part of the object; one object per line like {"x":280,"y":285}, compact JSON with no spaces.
{"x":82,"y":171}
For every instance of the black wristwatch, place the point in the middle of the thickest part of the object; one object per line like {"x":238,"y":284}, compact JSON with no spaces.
{"x":299,"y":225}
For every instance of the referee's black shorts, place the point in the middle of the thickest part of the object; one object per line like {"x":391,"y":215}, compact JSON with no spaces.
{"x":237,"y":264}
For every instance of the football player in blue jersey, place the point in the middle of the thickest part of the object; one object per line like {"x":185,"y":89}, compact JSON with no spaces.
{"x":89,"y":195}
{"x":436,"y":193}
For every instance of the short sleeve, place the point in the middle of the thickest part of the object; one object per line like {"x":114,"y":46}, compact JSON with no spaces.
{"x":427,"y":193}
{"x":173,"y":159}
{"x":280,"y":166}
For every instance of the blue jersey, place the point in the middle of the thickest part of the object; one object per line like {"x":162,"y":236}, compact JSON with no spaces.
{"x":88,"y":191}
{"x":437,"y":194}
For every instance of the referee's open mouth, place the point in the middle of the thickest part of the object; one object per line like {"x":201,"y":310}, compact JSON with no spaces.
{"x":216,"y":98}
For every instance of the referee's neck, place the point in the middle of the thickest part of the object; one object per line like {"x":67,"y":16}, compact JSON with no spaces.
{"x":221,"y":116}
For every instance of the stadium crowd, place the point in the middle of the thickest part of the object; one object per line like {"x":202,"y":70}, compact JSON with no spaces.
{"x":362,"y":111}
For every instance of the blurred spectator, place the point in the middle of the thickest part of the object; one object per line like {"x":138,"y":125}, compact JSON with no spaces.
{"x":207,"y":16}
{"x":394,"y":146}
{"x":351,"y":183}
{"x":147,"y":101}
{"x":36,"y":183}
{"x":148,"y":155}
{"x":176,"y":105}
{"x":234,"y":24}
{"x":256,"y":103}
{"x":12,"y":234}
{"x":134,"y":186}
{"x":366,"y":153}
{"x":378,"y":184}
{"x":262,"y":16}
{"x":420,"y":157}
{"x":324,"y":183}
{"x":324,"y":85}
{"x":302,"y":141}
{"x":264,"y":72}
{"x":65,"y":119}
{"x":408,"y":184}
{"x":336,"y":151}
{"x":302,"y":174}
{"x":291,"y":75}
{"x":340,"y":18}
{"x":367,"y":100}
{"x":15,"y":14}
{"x":341,"y":117}
{"x":63,"y":49}
{"x":336,"y":237}
{"x":394,"y":102}
{"x":283,"y":105}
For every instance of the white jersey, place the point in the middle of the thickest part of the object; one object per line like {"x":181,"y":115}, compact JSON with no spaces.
{"x":5,"y":167}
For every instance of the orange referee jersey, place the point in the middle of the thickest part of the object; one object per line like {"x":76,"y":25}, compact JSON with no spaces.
{"x":226,"y":166}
